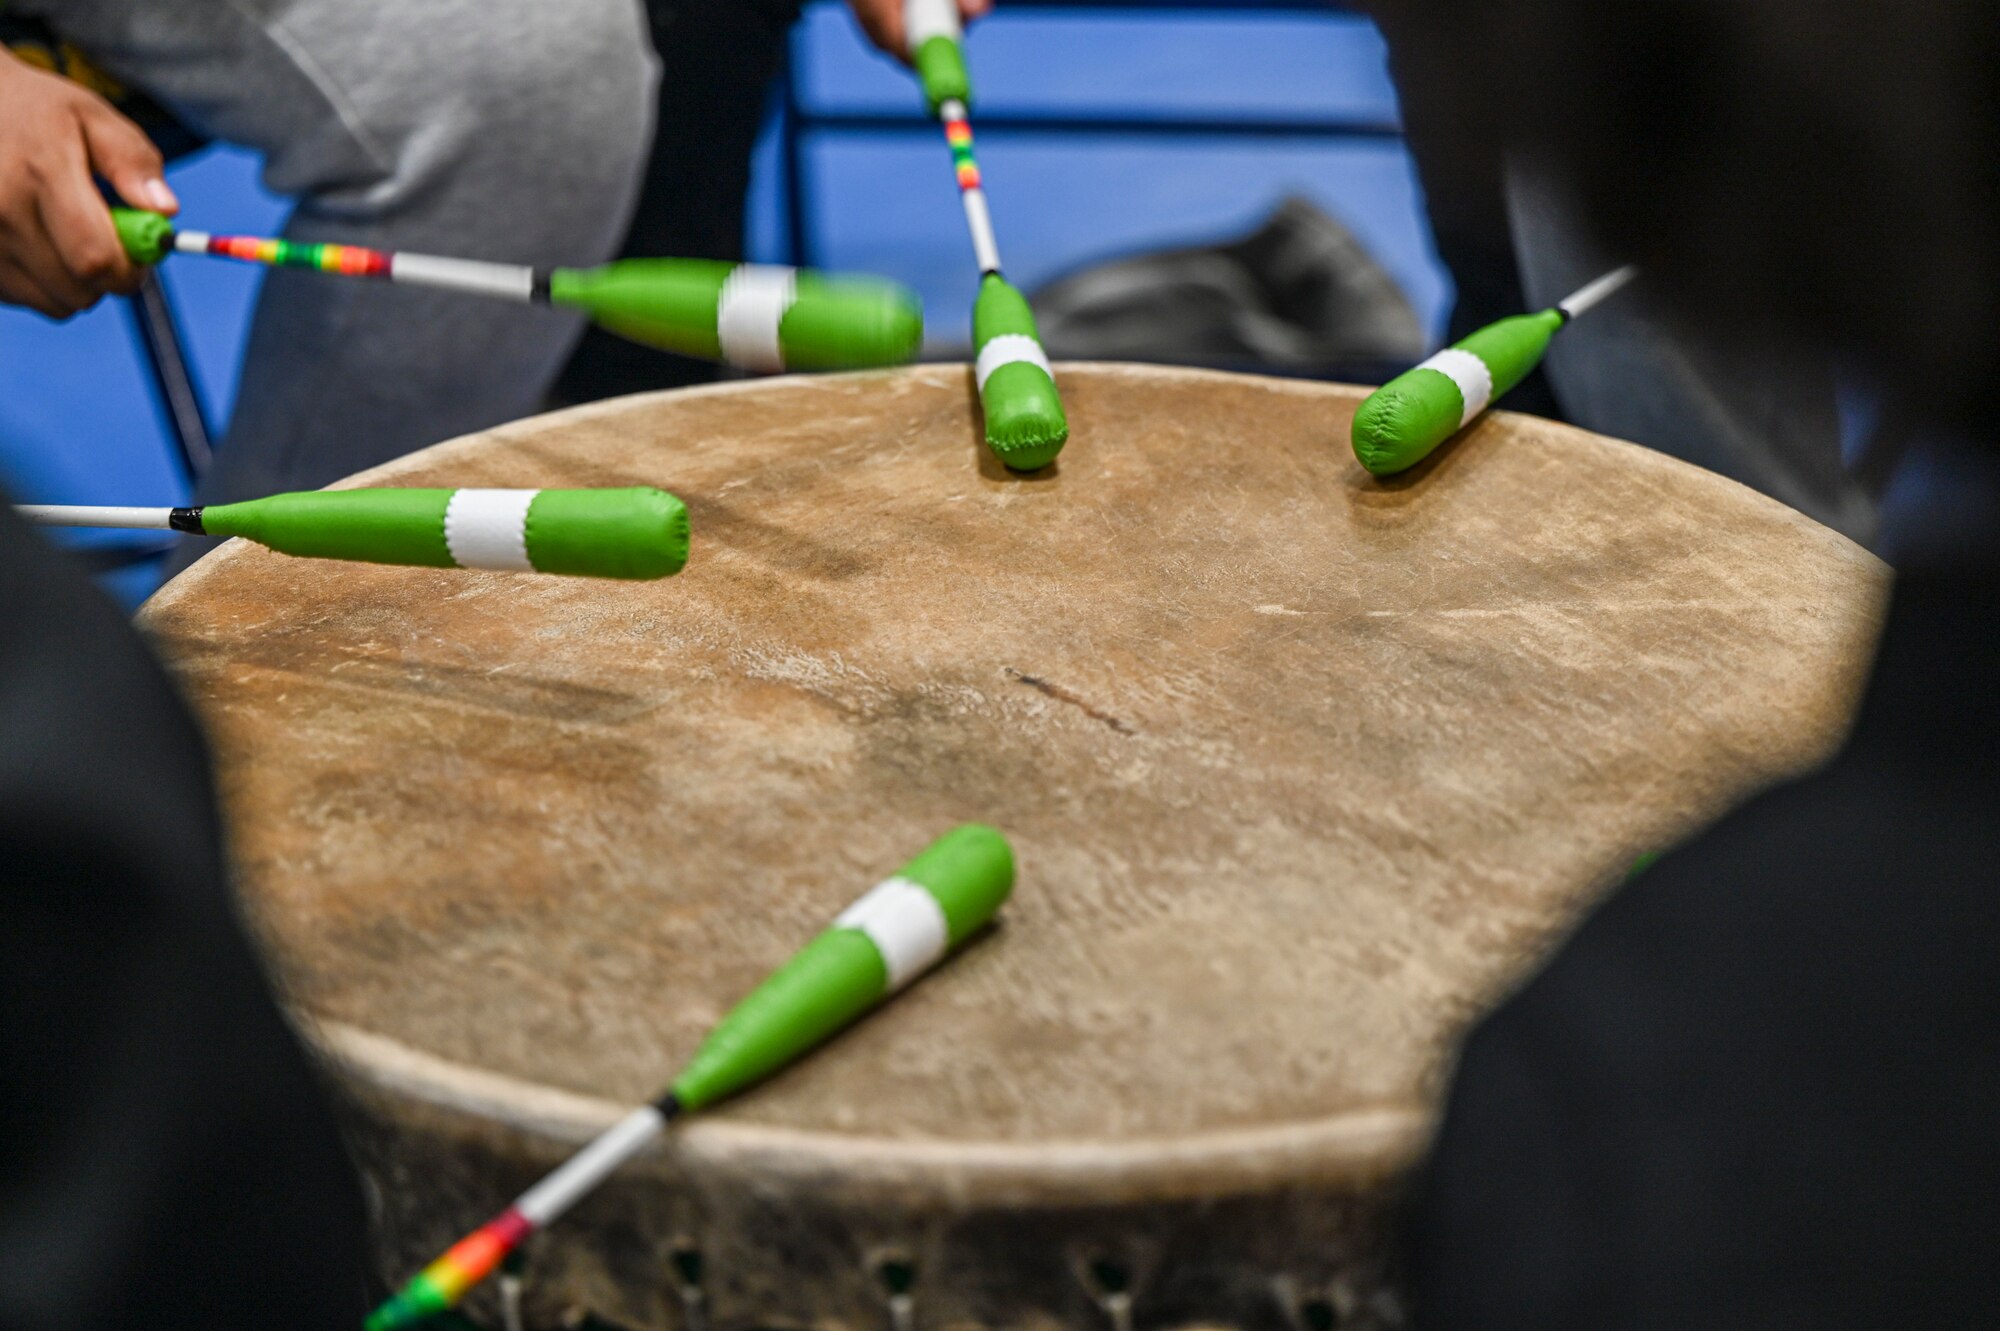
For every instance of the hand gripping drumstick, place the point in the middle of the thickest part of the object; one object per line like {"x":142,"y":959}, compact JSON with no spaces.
{"x":1404,"y":420}
{"x":1025,"y":425}
{"x":637,"y":532}
{"x":753,"y":316}
{"x":894,"y":933}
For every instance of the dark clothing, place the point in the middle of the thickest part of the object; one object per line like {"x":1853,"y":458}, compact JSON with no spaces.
{"x":717,"y":60}
{"x":1465,"y":199}
{"x":1761,"y":1086}
{"x":1824,"y":172}
{"x":166,"y":1158}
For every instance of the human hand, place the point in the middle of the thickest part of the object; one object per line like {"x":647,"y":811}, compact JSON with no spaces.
{"x":882,"y":20}
{"x":59,"y":252}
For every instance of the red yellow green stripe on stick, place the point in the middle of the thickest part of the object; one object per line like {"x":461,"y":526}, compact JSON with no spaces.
{"x":352,"y":260}
{"x":958,"y":134}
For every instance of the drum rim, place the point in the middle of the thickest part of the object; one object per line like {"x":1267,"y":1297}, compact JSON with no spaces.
{"x":1349,"y":1148}
{"x":529,"y":427}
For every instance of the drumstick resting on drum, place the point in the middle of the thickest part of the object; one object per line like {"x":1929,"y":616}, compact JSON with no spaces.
{"x":754,"y":316}
{"x":898,"y":930}
{"x":1025,"y":425}
{"x":1405,"y":420}
{"x":638,"y":532}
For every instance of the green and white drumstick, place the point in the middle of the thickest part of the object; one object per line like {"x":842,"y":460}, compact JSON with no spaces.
{"x":754,"y":316}
{"x":1025,"y":424}
{"x":637,"y":532}
{"x":892,"y":935}
{"x":1403,"y":422}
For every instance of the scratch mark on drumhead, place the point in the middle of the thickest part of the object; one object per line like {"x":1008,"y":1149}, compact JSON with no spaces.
{"x":1061,"y":694}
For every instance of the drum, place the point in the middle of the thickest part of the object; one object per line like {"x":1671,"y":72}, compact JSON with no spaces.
{"x":1301,"y":768}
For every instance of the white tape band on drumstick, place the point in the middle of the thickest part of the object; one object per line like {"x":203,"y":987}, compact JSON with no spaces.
{"x":905,"y":923}
{"x":590,"y":1166}
{"x":511,"y":281}
{"x":1009,"y":349}
{"x":925,"y":19}
{"x":489,"y":529}
{"x":752,"y":305}
{"x":1474,"y":380}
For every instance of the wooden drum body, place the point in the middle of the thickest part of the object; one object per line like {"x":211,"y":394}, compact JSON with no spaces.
{"x":1301,"y":769}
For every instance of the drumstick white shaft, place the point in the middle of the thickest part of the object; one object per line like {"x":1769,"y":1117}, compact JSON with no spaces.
{"x":593,"y":1164}
{"x":1595,"y":293}
{"x":985,"y":248}
{"x":978,"y":219}
{"x":96,"y":515}
{"x":508,"y":281}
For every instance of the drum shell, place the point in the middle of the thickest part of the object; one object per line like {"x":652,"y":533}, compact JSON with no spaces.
{"x":1247,"y":1233}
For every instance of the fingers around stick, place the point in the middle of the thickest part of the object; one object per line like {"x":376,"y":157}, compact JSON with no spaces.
{"x":80,"y":230}
{"x":122,"y":154}
{"x":882,"y":20}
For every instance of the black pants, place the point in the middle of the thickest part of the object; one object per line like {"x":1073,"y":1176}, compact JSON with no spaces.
{"x":718,"y":58}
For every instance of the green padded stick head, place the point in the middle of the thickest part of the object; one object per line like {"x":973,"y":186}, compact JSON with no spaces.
{"x":634,"y":532}
{"x":940,"y":66}
{"x":885,"y":940}
{"x":834,"y":322}
{"x":1025,"y":424}
{"x":144,"y":235}
{"x":970,"y":870}
{"x":850,"y":323}
{"x":1404,"y":421}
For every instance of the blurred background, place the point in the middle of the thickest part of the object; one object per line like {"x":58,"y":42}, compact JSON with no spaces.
{"x":1262,"y":137}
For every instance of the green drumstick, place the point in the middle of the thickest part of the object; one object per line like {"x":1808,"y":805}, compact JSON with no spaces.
{"x":893,"y":934}
{"x":1403,"y":422}
{"x":1025,"y":424}
{"x":932,"y":35}
{"x":755,"y":316}
{"x":638,"y":532}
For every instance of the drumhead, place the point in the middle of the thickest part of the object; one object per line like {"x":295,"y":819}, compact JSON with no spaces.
{"x":1300,"y":766}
